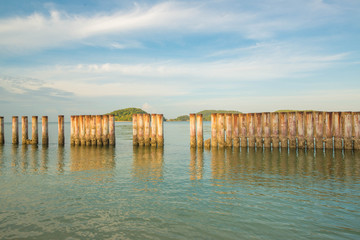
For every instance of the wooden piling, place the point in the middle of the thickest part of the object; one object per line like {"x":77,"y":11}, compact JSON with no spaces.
{"x":274,"y":119}
{"x":328,"y":130}
{"x":229,"y":129}
{"x":236,"y":125}
{"x":192,"y":130}
{"x":250,"y":129}
{"x":347,"y":129}
{"x":147,"y":129}
{"x":214,"y":142}
{"x":319,"y":129}
{"x":93,"y":130}
{"x":61,"y":137}
{"x":2,"y":131}
{"x":292,"y":129}
{"x":72,"y":130}
{"x":44,"y":130}
{"x":243,"y":129}
{"x":283,"y":122}
{"x":88,"y":130}
{"x":34,"y":130}
{"x":356,"y":119}
{"x":160,"y":130}
{"x":309,"y":127}
{"x":77,"y":130}
{"x":258,"y":130}
{"x":221,"y":130}
{"x":199,"y":131}
{"x":300,"y":129}
{"x":98,"y":130}
{"x":105,"y":130}
{"x":135,"y":130}
{"x":153,"y":130}
{"x":24,"y":129}
{"x":82,"y":130}
{"x":112,"y":140}
{"x":15,"y":130}
{"x":266,"y":129}
{"x":337,"y":126}
{"x":140,"y":119}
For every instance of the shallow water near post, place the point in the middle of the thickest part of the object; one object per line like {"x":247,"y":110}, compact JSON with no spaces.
{"x":175,"y":192}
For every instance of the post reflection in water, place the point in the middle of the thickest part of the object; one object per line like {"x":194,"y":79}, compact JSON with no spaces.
{"x":61,"y":159}
{"x":34,"y":156}
{"x":44,"y":159}
{"x":1,"y":158}
{"x":88,"y":158}
{"x":196,"y":164}
{"x":148,"y":163}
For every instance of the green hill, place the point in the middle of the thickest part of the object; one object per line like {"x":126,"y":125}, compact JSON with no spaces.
{"x":126,"y":113}
{"x":207,"y":113}
{"x":181,"y":118}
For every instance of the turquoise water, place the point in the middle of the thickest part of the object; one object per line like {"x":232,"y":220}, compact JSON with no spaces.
{"x":176,"y":193}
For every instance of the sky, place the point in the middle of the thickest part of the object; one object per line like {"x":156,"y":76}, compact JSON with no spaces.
{"x":178,"y":57}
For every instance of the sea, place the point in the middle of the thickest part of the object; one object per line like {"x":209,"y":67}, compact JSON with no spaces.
{"x":174,"y":192}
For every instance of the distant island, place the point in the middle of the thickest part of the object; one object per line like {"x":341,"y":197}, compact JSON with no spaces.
{"x":125,"y":115}
{"x":206,"y":115}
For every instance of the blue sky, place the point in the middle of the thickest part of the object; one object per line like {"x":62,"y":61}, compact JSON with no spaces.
{"x":177,"y":57}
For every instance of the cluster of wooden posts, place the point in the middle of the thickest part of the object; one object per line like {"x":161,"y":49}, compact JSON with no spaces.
{"x":34,"y":128}
{"x":92,"y":130}
{"x":279,"y":129}
{"x":148,"y":130}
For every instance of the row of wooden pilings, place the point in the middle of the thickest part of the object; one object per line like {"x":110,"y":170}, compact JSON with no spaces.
{"x":279,"y":129}
{"x":148,"y":130}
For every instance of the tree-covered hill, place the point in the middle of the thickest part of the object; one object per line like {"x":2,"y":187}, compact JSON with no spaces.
{"x":181,"y":118}
{"x":126,"y":113}
{"x":207,"y":113}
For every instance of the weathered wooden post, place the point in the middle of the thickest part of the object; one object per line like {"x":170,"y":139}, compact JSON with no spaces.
{"x":199,"y":131}
{"x":283,"y":129}
{"x":153,"y":130}
{"x":274,"y":119}
{"x":160,"y":130}
{"x":2,"y":131}
{"x":328,"y":130}
{"x":93,"y":130}
{"x":228,"y":120}
{"x":337,"y":130}
{"x":266,"y":129}
{"x":44,"y":130}
{"x":258,"y":130}
{"x":236,"y":139}
{"x":34,"y":130}
{"x":87,"y":130}
{"x":105,"y":130}
{"x":192,"y":130}
{"x":251,"y":129}
{"x":319,"y":129}
{"x":214,"y":142}
{"x":300,"y":132}
{"x":356,"y":130}
{"x":82,"y":130}
{"x":77,"y":130}
{"x":243,"y":129}
{"x":112,"y":140}
{"x":140,"y":119}
{"x":221,"y":130}
{"x":147,"y":129}
{"x":309,"y":123}
{"x":135,"y":130}
{"x":24,"y":129}
{"x":347,"y":129}
{"x":292,"y":129}
{"x":72,"y":130}
{"x":61,"y":137}
{"x":98,"y":130}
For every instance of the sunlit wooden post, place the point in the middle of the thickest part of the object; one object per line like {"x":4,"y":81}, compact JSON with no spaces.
{"x":160,"y":130}
{"x":153,"y":130}
{"x":24,"y":129}
{"x":112,"y":140}
{"x":229,"y":130}
{"x":44,"y":130}
{"x":77,"y":130}
{"x":274,"y":118}
{"x":2,"y":131}
{"x":309,"y":126}
{"x":140,"y":119}
{"x":292,"y":129}
{"x":61,"y":130}
{"x":192,"y":130}
{"x":88,"y":130}
{"x":105,"y":130}
{"x":214,"y":140}
{"x":135,"y":130}
{"x":15,"y":130}
{"x":93,"y":130}
{"x":221,"y":130}
{"x":82,"y":130}
{"x":347,"y":129}
{"x":34,"y":130}
{"x":337,"y":130}
{"x":147,"y":129}
{"x":72,"y":130}
{"x":258,"y":130}
{"x":236,"y":125}
{"x":243,"y":129}
{"x":356,"y":130}
{"x":300,"y":129}
{"x":251,"y":129}
{"x":328,"y":130}
{"x":283,"y":129}
{"x":319,"y":129}
{"x":199,"y":131}
{"x":98,"y":130}
{"x":266,"y":132}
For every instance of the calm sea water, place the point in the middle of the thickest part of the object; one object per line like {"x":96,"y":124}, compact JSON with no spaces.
{"x":175,"y":193}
